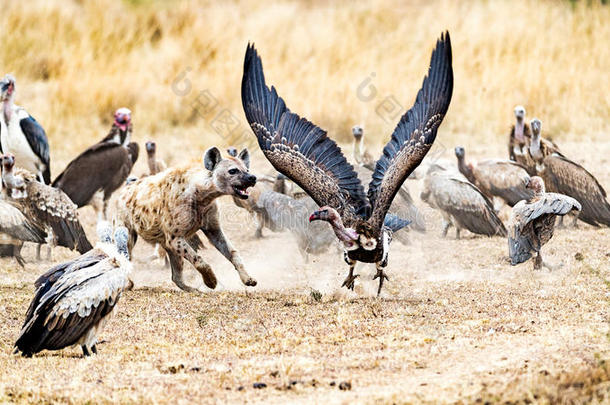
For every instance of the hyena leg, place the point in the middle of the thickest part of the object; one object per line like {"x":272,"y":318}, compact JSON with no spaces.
{"x":220,"y":242}
{"x":181,"y":247}
{"x":176,"y":263}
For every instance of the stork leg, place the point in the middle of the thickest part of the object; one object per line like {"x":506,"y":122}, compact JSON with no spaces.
{"x":380,"y":275}
{"x":351,"y":277}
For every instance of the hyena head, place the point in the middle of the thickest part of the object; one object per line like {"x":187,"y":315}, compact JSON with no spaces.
{"x":230,"y":176}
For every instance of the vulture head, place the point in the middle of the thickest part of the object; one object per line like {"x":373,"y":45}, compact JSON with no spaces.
{"x":536,"y":184}
{"x":357,"y":131}
{"x":230,"y":176}
{"x":519,"y":113}
{"x":121,"y":239}
{"x":232,"y":151}
{"x":460,"y":152}
{"x":122,"y":118}
{"x":536,"y":126}
{"x":104,"y":231}
{"x":15,"y":184}
{"x":7,"y":88}
{"x":151,"y":148}
{"x":348,"y":236}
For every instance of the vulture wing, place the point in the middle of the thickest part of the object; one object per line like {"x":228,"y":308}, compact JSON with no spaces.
{"x":76,"y":301}
{"x":37,"y":139}
{"x":561,"y":175}
{"x":103,"y":166}
{"x":55,"y":209}
{"x":298,"y":148}
{"x":521,"y":237}
{"x":505,"y":179}
{"x":14,"y":223}
{"x":414,"y":133}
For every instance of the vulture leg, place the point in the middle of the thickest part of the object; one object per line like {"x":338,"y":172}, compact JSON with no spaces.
{"x":17,"y":255}
{"x":86,"y":352}
{"x":220,"y":242}
{"x":181,"y":248}
{"x":457,"y":232}
{"x":176,"y":262}
{"x":538,"y":261}
{"x":380,"y":275}
{"x":259,"y":225}
{"x":560,"y":224}
{"x":105,"y":209}
{"x":446,"y":225}
{"x":94,"y":349}
{"x":575,"y":223}
{"x":38,"y":258}
{"x":351,"y":277}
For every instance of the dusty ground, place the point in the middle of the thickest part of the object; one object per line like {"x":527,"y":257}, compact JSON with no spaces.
{"x":456,"y":323}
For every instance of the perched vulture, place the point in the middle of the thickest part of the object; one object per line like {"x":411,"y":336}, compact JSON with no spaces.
{"x":303,"y":152}
{"x":16,"y":228}
{"x":505,"y":179}
{"x":120,"y":132}
{"x":73,"y":301}
{"x":359,"y":153}
{"x":402,"y":206}
{"x":99,"y":171}
{"x":47,"y":207}
{"x":21,"y":135}
{"x":563,"y":176}
{"x":461,"y":203}
{"x":154,"y":165}
{"x":532,"y":222}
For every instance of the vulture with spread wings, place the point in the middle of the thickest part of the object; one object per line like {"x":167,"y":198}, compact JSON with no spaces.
{"x":305,"y":154}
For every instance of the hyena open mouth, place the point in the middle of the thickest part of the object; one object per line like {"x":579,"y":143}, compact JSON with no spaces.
{"x":241,"y":191}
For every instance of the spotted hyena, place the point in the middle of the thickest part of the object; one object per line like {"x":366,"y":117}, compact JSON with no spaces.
{"x":170,"y":207}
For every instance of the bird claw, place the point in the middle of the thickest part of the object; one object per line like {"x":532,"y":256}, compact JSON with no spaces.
{"x":349,"y":281}
{"x":381,"y":276}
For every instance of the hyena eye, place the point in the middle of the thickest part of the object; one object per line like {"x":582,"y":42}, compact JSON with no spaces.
{"x":233,"y":171}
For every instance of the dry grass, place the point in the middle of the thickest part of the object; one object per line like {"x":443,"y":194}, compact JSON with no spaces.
{"x":456,"y":324}
{"x":77,"y":61}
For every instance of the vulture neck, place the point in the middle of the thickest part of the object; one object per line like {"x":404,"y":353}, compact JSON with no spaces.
{"x":341,"y":232}
{"x":520,"y":130}
{"x":358,"y":146}
{"x":465,"y":169}
{"x":535,"y":147}
{"x":152,"y":163}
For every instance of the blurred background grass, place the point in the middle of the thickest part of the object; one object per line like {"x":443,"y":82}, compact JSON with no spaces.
{"x":178,"y":64}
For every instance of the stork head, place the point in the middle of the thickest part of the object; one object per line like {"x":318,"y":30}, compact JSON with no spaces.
{"x":460,"y":152}
{"x":7,"y":87}
{"x":151,"y":147}
{"x":519,"y":113}
{"x":121,"y":239}
{"x":122,"y":118}
{"x":232,"y":151}
{"x":357,"y":132}
{"x":536,"y":184}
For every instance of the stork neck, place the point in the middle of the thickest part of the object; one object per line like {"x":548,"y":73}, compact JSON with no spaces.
{"x":7,"y":109}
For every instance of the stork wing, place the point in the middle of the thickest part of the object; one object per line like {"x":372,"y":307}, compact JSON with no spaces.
{"x":297,"y":148}
{"x":414,"y":133}
{"x":37,"y":139}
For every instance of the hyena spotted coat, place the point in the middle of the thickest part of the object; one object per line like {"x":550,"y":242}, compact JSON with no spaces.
{"x":170,"y":207}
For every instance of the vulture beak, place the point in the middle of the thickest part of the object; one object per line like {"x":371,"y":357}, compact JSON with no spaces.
{"x":315,"y":216}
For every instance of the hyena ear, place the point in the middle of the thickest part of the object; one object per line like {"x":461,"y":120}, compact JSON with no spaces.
{"x":244,"y":155}
{"x":211,"y":158}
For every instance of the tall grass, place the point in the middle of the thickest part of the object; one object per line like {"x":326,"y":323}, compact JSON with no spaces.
{"x":77,"y":61}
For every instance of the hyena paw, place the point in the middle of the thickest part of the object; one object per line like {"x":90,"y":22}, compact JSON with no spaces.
{"x":250,"y":282}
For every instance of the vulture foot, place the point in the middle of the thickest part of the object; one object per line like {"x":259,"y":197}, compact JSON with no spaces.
{"x":381,"y":276}
{"x":349,"y":280}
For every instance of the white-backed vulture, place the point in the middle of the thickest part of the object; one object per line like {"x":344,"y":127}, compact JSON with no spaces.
{"x":461,"y":203}
{"x":48,"y":208}
{"x":304,"y":153}
{"x":532,"y":222}
{"x":21,"y":135}
{"x":99,"y":171}
{"x":155,"y":165}
{"x":361,"y":156}
{"x":562,"y":175}
{"x":505,"y":179}
{"x":74,"y":300}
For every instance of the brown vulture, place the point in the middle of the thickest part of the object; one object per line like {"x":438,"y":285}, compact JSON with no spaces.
{"x":21,"y":135}
{"x":461,"y":203}
{"x":505,"y":179}
{"x":154,"y":165}
{"x":99,"y":171}
{"x":563,"y":176}
{"x":532,"y":222}
{"x":303,"y":152}
{"x":16,"y":228}
{"x":74,"y":300}
{"x":46,"y":208}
